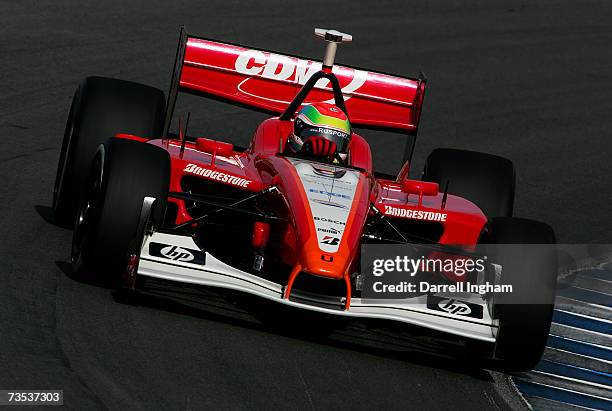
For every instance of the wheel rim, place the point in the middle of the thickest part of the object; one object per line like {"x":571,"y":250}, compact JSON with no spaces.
{"x":87,"y":214}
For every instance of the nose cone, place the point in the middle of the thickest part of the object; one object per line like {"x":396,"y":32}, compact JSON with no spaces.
{"x":335,"y":205}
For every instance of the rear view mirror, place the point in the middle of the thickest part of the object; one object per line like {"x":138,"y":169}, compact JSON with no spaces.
{"x":215,"y":148}
{"x":422,"y":188}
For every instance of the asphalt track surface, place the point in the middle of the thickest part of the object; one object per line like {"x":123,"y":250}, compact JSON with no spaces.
{"x":529,"y":80}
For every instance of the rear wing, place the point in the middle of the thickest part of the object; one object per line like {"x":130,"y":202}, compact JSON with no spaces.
{"x":269,"y":81}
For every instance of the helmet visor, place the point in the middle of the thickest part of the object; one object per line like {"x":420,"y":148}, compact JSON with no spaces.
{"x":340,"y":138}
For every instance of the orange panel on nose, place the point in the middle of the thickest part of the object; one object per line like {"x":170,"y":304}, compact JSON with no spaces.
{"x":315,"y":256}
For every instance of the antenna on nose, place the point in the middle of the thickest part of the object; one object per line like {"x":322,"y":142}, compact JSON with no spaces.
{"x":333,"y":38}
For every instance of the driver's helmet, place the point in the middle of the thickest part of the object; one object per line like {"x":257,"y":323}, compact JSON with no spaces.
{"x":321,"y":130}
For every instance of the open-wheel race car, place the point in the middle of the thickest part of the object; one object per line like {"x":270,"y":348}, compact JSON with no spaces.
{"x":286,"y":218}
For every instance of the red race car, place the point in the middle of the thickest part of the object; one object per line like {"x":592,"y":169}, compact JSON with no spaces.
{"x":290,"y":217}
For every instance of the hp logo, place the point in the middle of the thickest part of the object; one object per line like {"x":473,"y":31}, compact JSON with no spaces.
{"x":454,"y":307}
{"x":177,"y":253}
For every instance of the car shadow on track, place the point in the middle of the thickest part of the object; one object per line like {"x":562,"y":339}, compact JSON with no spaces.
{"x":403,"y":342}
{"x":381,"y":338}
{"x":66,"y":268}
{"x":46,"y":213}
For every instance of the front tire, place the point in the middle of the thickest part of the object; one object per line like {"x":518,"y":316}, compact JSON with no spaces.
{"x":122,"y":174}
{"x":524,"y":248}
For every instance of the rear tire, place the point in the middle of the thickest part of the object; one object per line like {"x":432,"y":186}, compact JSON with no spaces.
{"x":486,"y":180}
{"x":123,"y":173}
{"x":525,"y":315}
{"x":101,"y":108}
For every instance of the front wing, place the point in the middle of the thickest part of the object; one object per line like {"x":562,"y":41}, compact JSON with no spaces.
{"x":178,"y":258}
